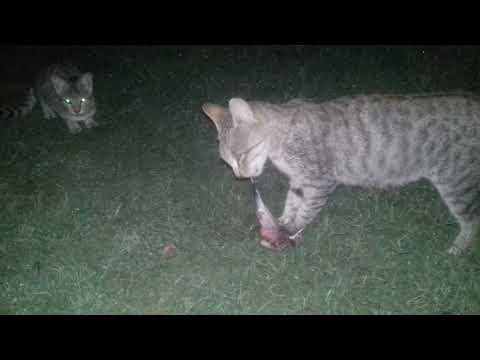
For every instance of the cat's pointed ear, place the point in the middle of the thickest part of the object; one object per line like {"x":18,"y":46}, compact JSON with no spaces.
{"x":59,"y":84}
{"x":216,"y":113}
{"x":86,"y":82}
{"x":241,"y":111}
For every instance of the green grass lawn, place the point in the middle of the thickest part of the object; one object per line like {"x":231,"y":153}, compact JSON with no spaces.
{"x":84,"y":219}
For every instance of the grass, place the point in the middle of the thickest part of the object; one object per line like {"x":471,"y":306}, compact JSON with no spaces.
{"x":84,"y":219}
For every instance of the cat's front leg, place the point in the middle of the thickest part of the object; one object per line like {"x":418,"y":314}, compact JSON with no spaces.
{"x":48,"y":113}
{"x":292,"y":204}
{"x":73,"y":126}
{"x":303,"y":203}
{"x":312,"y":199}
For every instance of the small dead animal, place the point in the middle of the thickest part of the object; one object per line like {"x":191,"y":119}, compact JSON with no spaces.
{"x":273,"y":236}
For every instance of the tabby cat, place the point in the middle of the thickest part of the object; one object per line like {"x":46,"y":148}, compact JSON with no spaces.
{"x":63,"y":91}
{"x":367,"y":140}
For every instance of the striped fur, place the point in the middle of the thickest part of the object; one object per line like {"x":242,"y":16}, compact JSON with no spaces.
{"x":367,"y":140}
{"x":8,"y":113}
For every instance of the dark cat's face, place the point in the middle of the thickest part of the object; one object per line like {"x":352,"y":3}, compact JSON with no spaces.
{"x":241,"y":146}
{"x":76,"y":97}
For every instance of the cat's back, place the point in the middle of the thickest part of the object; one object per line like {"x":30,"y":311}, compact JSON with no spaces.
{"x":278,"y":114}
{"x":398,"y":115}
{"x":394,"y":139}
{"x":463,"y":106}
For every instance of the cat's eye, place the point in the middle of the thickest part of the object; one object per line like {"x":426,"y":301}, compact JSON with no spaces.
{"x":67,"y":101}
{"x":83,"y":100}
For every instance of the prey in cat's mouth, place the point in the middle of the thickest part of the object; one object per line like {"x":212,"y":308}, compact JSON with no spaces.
{"x":273,"y":236}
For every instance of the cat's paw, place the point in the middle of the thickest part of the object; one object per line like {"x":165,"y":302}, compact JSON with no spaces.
{"x":91,"y":124}
{"x":49,"y":114}
{"x":284,"y":220}
{"x":287,"y":224}
{"x":74,"y":130}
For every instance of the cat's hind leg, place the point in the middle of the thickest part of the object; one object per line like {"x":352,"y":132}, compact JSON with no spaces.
{"x":462,"y":196}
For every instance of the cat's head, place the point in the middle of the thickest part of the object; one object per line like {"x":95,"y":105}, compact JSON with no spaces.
{"x":243,"y":141}
{"x":76,"y":96}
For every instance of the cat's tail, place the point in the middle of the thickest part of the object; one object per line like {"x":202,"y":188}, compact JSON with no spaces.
{"x":11,"y":113}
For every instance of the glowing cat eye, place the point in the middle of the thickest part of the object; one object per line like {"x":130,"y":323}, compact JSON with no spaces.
{"x":83,"y":100}
{"x":67,"y":101}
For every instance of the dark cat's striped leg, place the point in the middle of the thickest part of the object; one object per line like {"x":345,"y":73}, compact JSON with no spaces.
{"x":48,"y":113}
{"x":90,"y":122}
{"x":462,"y":197}
{"x":73,"y":126}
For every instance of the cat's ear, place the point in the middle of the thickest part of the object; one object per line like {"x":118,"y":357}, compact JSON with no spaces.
{"x":216,"y":113}
{"x":59,"y":84}
{"x":86,"y":82}
{"x":241,"y":111}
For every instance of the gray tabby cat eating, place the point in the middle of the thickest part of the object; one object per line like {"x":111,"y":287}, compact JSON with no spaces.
{"x":366,"y":140}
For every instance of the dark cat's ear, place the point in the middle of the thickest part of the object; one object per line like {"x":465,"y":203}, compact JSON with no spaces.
{"x":241,"y":111}
{"x":59,"y":84}
{"x":86,"y":82}
{"x":216,"y":113}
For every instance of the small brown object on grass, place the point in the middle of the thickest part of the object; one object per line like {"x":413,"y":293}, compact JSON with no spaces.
{"x":169,"y":250}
